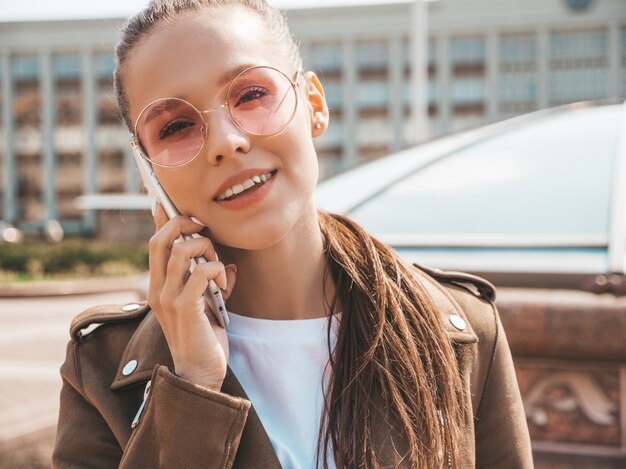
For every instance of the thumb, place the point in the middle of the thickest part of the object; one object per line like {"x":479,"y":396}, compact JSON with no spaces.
{"x":231,"y":279}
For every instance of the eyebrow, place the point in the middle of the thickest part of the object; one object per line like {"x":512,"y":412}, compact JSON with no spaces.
{"x":226,"y":77}
{"x":231,"y":74}
{"x":157,"y":108}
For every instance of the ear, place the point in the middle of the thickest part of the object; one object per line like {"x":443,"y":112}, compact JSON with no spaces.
{"x":318,"y":109}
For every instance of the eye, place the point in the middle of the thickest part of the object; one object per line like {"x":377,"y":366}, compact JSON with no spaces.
{"x":251,"y":94}
{"x":175,"y":127}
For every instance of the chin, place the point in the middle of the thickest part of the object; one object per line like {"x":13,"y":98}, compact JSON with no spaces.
{"x":255,"y":239}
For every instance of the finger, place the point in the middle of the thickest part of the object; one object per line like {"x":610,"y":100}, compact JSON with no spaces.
{"x":231,"y":279}
{"x":180,"y":259}
{"x":199,"y":279}
{"x":160,"y":245}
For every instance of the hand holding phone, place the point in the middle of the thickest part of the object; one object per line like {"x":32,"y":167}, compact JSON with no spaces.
{"x":154,"y":188}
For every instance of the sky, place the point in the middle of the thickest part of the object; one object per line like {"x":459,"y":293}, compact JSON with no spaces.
{"x":32,"y":10}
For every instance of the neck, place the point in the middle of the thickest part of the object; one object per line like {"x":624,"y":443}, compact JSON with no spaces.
{"x":285,"y":280}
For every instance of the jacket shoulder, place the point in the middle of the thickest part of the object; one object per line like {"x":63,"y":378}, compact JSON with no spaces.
{"x":474,"y":298}
{"x":471,"y":297}
{"x":92,"y":318}
{"x":473,"y":283}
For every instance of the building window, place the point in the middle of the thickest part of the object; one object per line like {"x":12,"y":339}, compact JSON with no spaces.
{"x":27,"y":100}
{"x":67,"y":71}
{"x":519,"y":87}
{"x":579,"y":84}
{"x":372,"y":94}
{"x":27,"y":97}
{"x":68,"y":133}
{"x":325,"y":57}
{"x":66,"y":66}
{"x":518,"y":49}
{"x":104,"y":65}
{"x":467,"y":50}
{"x":372,"y":56}
{"x":468,"y":90}
{"x":579,"y":45}
{"x":25,"y":68}
{"x":517,"y":82}
{"x":333,"y":92}
{"x":579,"y":66}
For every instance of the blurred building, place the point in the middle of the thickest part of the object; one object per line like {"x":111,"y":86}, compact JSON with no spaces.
{"x":487,"y":59}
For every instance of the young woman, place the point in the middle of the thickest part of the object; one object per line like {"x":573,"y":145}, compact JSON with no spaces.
{"x":337,"y":353}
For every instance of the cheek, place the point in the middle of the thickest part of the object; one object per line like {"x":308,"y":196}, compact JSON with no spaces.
{"x":298,"y":146}
{"x":179,"y":184}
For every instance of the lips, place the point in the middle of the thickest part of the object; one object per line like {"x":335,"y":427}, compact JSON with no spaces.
{"x":239,"y":179}
{"x":248,"y":184}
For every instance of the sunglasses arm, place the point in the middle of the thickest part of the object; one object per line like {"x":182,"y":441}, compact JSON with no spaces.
{"x":151,"y":182}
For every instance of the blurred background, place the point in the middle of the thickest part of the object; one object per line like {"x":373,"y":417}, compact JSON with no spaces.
{"x":483,"y":60}
{"x":408,"y":83}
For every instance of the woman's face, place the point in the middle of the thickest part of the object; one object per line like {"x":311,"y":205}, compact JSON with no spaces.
{"x":187,"y":58}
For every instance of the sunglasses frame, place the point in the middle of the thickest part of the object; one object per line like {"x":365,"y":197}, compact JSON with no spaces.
{"x":294,"y":84}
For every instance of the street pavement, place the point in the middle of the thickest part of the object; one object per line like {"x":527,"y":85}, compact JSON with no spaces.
{"x":33,"y":335}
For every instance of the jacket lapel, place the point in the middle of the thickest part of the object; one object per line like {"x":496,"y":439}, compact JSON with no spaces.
{"x":148,"y":347}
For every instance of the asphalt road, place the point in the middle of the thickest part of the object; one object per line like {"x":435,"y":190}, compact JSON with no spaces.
{"x":33,"y":336}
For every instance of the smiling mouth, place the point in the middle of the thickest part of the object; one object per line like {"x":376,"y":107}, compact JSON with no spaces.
{"x":249,"y":185}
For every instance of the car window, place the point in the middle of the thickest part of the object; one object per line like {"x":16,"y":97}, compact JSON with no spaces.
{"x":551,"y":177}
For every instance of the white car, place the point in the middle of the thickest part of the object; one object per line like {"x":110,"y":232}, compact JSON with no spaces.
{"x":534,"y":201}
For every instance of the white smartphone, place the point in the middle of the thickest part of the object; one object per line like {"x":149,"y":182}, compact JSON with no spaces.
{"x":154,"y":188}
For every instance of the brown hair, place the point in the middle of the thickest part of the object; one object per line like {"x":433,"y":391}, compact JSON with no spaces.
{"x":390,"y":344}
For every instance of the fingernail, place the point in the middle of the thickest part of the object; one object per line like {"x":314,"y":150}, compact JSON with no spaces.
{"x":153,"y":206}
{"x":225,"y":283}
{"x":198,"y":222}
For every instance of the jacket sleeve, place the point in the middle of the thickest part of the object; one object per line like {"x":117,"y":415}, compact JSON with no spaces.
{"x":182,"y":425}
{"x":186,"y":425}
{"x":501,"y":431}
{"x":83,"y":438}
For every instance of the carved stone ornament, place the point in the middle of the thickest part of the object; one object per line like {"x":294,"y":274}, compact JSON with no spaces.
{"x":581,"y":391}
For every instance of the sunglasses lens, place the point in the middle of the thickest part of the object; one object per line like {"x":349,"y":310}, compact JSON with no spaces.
{"x":262,"y":101}
{"x":170,"y":132}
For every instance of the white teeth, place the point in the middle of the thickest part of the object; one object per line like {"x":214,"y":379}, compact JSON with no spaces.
{"x":247,"y":184}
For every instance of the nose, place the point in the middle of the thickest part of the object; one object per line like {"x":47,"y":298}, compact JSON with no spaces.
{"x":224,"y":138}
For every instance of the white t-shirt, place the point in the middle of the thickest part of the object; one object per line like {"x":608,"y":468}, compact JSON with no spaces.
{"x":280,"y":364}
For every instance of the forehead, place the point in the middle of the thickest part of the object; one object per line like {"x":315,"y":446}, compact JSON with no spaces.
{"x":187,"y":56}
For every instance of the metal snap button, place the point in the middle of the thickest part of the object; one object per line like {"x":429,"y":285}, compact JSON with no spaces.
{"x":129,"y":367}
{"x":458,"y":322}
{"x":130,"y":307}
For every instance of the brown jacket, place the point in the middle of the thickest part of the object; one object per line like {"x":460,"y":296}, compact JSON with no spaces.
{"x":186,"y":426}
